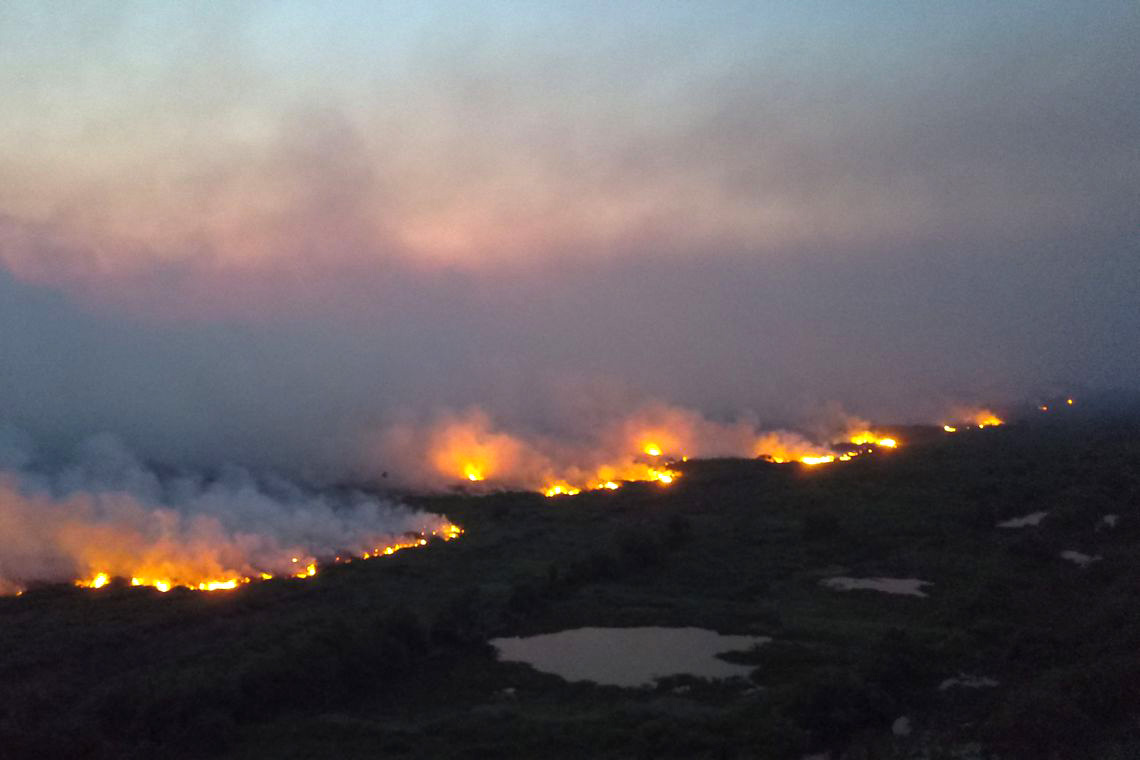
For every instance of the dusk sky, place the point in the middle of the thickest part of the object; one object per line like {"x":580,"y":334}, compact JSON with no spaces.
{"x":255,"y":231}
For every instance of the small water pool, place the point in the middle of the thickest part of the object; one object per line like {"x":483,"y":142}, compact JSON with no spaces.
{"x":629,"y":656}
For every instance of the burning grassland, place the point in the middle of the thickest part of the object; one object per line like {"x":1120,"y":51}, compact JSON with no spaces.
{"x":472,"y":450}
{"x":105,"y":517}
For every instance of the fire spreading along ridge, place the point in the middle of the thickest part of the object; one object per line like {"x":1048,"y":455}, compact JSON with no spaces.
{"x":469,"y":449}
{"x":301,"y":569}
{"x":105,"y":519}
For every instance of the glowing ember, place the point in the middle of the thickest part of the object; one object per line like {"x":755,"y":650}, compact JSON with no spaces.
{"x":652,"y":450}
{"x":950,"y":428}
{"x":1069,"y":401}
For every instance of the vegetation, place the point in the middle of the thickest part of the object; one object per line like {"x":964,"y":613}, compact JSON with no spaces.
{"x":390,"y":657}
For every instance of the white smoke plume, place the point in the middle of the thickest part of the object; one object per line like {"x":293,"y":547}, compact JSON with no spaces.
{"x":470,"y":446}
{"x":104,"y":512}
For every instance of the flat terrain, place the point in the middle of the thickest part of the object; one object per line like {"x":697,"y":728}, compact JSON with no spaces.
{"x":388,"y":658}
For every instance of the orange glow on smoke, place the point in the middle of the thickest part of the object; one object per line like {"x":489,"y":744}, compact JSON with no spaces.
{"x":640,"y":446}
{"x":465,"y":448}
{"x":99,"y":581}
{"x":785,"y":446}
{"x":985,"y":419}
{"x":967,"y":418}
{"x":867,"y":437}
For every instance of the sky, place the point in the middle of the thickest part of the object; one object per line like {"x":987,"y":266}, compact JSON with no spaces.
{"x":258,"y":232}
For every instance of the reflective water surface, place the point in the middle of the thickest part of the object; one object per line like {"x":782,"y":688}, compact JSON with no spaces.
{"x":629,"y":656}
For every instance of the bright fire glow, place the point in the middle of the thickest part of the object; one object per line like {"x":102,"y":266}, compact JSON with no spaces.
{"x":636,"y":474}
{"x":987,"y":419}
{"x":562,"y":489}
{"x":950,"y":428}
{"x":98,"y":581}
{"x":607,"y":453}
{"x":867,"y":437}
{"x":310,"y":569}
{"x":782,"y":446}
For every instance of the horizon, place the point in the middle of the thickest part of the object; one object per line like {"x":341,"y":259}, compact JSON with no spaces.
{"x":266,"y":233}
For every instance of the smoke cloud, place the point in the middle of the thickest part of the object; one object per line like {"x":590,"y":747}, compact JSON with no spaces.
{"x":104,"y":512}
{"x":312,"y":242}
{"x":600,"y":450}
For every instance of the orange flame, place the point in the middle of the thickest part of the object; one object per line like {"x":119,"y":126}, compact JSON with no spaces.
{"x":607,"y":453}
{"x":987,"y":419}
{"x":866,"y":437}
{"x":311,"y":568}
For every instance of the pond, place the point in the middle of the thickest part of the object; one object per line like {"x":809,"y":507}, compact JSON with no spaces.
{"x":629,"y":656}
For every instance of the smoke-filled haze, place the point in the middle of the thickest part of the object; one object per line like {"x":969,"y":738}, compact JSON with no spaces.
{"x":306,"y":236}
{"x":102,"y":511}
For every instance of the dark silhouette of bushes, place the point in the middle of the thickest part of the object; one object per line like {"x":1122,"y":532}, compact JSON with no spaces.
{"x":819,"y":526}
{"x":193,"y":709}
{"x":678,"y":531}
{"x":461,"y":621}
{"x":639,"y":548}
